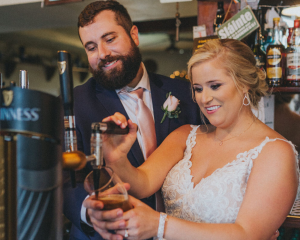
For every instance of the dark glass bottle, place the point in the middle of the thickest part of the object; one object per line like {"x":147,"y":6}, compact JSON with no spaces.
{"x":289,"y":36}
{"x":293,"y":58}
{"x":219,"y":17}
{"x":275,"y":58}
{"x":259,"y":54}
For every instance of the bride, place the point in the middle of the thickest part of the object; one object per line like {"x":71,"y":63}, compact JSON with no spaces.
{"x":235,"y":179}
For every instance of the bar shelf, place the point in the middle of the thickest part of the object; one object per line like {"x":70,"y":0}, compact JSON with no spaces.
{"x":284,"y":90}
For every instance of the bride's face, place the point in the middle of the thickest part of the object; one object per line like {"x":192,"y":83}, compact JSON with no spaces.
{"x":216,"y":93}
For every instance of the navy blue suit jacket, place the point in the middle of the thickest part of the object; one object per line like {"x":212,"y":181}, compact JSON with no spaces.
{"x":92,"y":103}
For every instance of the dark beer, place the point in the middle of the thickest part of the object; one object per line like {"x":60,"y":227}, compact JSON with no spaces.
{"x":115,"y":201}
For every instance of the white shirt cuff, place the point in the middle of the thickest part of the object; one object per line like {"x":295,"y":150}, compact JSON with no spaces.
{"x":83,"y":214}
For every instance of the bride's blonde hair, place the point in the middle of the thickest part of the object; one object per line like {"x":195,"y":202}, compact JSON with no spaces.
{"x":238,"y":61}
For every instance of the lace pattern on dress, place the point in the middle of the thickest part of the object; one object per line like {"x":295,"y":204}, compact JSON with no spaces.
{"x":216,"y":198}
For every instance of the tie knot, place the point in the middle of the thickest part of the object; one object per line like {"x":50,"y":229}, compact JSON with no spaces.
{"x":138,"y":93}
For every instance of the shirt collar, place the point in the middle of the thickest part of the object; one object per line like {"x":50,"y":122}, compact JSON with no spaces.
{"x":143,"y":83}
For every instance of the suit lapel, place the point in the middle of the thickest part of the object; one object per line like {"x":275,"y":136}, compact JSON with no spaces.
{"x":111,"y":102}
{"x":158,"y":99}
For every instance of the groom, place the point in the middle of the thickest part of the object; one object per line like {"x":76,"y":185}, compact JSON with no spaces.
{"x":111,"y":44}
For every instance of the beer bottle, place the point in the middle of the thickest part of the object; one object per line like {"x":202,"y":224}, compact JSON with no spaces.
{"x":293,"y":58}
{"x":259,"y":54}
{"x":219,"y":17}
{"x":275,"y":59}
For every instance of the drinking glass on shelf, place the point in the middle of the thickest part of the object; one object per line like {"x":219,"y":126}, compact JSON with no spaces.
{"x":104,"y":185}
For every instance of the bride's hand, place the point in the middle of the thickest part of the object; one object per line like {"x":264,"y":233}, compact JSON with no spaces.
{"x":116,"y":147}
{"x":141,"y":222}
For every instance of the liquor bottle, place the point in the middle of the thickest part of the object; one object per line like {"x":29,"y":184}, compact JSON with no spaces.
{"x":259,"y":54}
{"x":289,"y":36}
{"x":293,"y":58}
{"x":219,"y":17}
{"x":275,"y":60}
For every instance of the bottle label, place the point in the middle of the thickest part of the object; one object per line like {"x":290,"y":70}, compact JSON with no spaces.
{"x":274,"y":72}
{"x":293,"y":66}
{"x":274,"y":56}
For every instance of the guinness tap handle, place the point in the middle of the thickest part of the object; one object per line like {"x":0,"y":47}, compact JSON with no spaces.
{"x":66,"y":88}
{"x":66,"y":81}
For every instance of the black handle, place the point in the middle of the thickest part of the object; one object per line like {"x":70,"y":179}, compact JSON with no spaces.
{"x":109,"y":128}
{"x":66,"y":81}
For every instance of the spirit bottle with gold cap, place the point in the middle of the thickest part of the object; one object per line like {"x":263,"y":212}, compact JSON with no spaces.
{"x":275,"y":58}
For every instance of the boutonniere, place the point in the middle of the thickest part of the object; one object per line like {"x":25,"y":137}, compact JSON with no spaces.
{"x":170,"y":107}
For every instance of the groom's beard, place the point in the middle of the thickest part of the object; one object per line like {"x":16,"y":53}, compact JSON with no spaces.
{"x":117,"y":78}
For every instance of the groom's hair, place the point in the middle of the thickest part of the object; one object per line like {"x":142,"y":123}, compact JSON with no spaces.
{"x":122,"y":17}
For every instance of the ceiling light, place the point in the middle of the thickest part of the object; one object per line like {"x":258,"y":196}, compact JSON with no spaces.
{"x":291,"y":11}
{"x":169,"y":1}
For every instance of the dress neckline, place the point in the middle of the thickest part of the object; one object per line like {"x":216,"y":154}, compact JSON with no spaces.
{"x":239,"y":157}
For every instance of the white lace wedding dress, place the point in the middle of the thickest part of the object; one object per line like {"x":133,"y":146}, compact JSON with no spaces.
{"x":216,"y":198}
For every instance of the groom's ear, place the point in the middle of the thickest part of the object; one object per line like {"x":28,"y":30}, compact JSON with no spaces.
{"x":134,"y":33}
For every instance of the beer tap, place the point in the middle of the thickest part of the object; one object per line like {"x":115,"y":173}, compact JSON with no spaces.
{"x":72,"y":158}
{"x":23,"y":79}
{"x":1,"y":81}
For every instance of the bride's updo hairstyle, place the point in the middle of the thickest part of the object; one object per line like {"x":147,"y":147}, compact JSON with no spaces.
{"x":238,"y":61}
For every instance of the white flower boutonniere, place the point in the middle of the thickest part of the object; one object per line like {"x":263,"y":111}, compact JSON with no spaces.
{"x":170,"y":107}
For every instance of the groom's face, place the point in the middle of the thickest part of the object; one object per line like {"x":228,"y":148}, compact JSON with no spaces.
{"x":113,"y":55}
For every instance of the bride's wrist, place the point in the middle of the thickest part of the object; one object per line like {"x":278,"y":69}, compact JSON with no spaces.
{"x":161,"y":226}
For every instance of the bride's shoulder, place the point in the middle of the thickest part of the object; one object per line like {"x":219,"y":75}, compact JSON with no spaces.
{"x":184,"y":129}
{"x":188,"y":128}
{"x":275,"y":146}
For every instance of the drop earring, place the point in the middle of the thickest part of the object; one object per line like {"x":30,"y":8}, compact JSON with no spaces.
{"x":246,"y":98}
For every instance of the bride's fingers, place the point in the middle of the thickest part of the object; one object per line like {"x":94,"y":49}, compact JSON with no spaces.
{"x":118,"y":118}
{"x":125,"y":233}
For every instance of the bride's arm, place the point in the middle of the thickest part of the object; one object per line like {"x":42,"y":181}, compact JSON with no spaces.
{"x":148,"y":178}
{"x":269,"y":196}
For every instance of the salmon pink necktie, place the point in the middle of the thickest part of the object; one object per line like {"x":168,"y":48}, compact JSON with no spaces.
{"x":145,"y":122}
{"x":147,"y":130}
